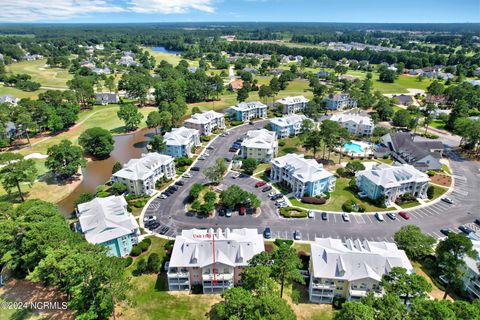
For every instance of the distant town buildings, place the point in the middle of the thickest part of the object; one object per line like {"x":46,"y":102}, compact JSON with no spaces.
{"x":340,"y":101}
{"x":390,"y":182}
{"x":304,"y":177}
{"x":355,"y":122}
{"x":289,"y":105}
{"x":106,"y":222}
{"x":236,"y":85}
{"x":9,"y":99}
{"x":351,"y":269}
{"x":181,"y":142}
{"x":140,"y":175}
{"x":289,"y":125}
{"x":200,"y":257}
{"x":206,"y":122}
{"x":246,"y":111}
{"x":105,"y":98}
{"x":261,"y":145}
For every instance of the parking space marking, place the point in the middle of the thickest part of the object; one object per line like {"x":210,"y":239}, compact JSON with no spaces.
{"x":369,"y":218}
{"x":359,"y":219}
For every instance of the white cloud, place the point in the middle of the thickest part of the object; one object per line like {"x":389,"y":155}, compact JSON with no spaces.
{"x":45,"y":10}
{"x":171,"y":6}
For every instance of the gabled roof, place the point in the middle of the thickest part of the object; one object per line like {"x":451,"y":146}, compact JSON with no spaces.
{"x":305,"y":170}
{"x":205,"y":117}
{"x":413,"y":150}
{"x":195,"y":247}
{"x":246,"y":106}
{"x":260,"y":138}
{"x":349,"y":117}
{"x":393,"y":176}
{"x":339,"y":97}
{"x":355,"y":260}
{"x":289,"y":120}
{"x":292,"y":100}
{"x":104,"y":219}
{"x":140,"y":169}
{"x":180,"y":136}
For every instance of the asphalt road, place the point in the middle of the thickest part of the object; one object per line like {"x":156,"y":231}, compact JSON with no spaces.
{"x":171,"y":211}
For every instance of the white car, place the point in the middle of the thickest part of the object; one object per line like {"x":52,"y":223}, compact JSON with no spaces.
{"x":379,"y":217}
{"x":206,"y":154}
{"x":163,"y":196}
{"x":236,"y":175}
{"x":228,"y":214}
{"x":271,"y":194}
{"x":447,"y":200}
{"x":346,"y":217}
{"x":311,"y":214}
{"x":187,"y":175}
{"x":149,"y":218}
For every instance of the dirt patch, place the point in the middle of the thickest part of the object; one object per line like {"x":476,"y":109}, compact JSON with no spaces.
{"x":442,"y":180}
{"x":32,"y":293}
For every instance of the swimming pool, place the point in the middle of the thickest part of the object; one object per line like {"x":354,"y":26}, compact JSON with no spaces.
{"x":353,"y":148}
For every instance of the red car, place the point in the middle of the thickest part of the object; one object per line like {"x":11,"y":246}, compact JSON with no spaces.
{"x":260,"y":184}
{"x":404,"y":215}
{"x":242,"y":211}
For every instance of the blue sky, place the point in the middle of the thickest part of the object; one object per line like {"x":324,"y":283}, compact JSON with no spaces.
{"x":104,"y":11}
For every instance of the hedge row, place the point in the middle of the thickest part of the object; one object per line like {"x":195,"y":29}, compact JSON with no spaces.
{"x":313,"y":200}
{"x":289,"y":212}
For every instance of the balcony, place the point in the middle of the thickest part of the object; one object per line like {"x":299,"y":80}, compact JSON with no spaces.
{"x":178,"y":274}
{"x":323,"y":286}
{"x":474,"y":291}
{"x":218,"y":277}
{"x":357,"y":292}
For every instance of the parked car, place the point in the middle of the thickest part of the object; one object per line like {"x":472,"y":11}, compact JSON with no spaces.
{"x":173,"y":188}
{"x":149,"y":218}
{"x":180,"y":183}
{"x":465,"y":229}
{"x":187,"y":175}
{"x":236,"y":175}
{"x":228,"y":214}
{"x":201,"y":158}
{"x":324,"y":216}
{"x":251,"y":123}
{"x":392,"y":215}
{"x":206,"y":154}
{"x":221,"y":212}
{"x":277,"y":196}
{"x":267,"y":233}
{"x":242,"y":211}
{"x":232,"y":149}
{"x":195,"y":169}
{"x":209,"y":148}
{"x":311,"y":214}
{"x":404,"y":215}
{"x":163,"y":196}
{"x":228,"y":159}
{"x":447,"y":200}
{"x":271,"y":194}
{"x":260,"y":184}
{"x":165,"y":267}
{"x":379,"y":217}
{"x":446,"y":231}
{"x":346,"y":217}
{"x":267,"y":188}
{"x":297,"y":235}
{"x":477,"y":221}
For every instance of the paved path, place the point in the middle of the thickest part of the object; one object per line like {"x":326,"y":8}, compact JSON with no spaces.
{"x":431,"y":218}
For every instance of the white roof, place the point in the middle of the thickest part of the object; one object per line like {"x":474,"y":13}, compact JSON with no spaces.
{"x":246,"y":106}
{"x":355,"y":260}
{"x":289,"y":120}
{"x":140,"y":169}
{"x":104,"y":219}
{"x":305,"y":170}
{"x":260,"y":138}
{"x":205,"y":117}
{"x":195,"y":248}
{"x":351,"y":117}
{"x":180,"y":136}
{"x":393,"y":176}
{"x":292,"y":100}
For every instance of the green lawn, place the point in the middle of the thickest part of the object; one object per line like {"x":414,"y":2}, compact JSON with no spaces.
{"x":262,"y":167}
{"x":46,"y":76}
{"x":292,"y":145}
{"x":151,"y":300}
{"x":409,"y":204}
{"x":437,"y":124}
{"x":446,"y":169}
{"x":170,"y":58}
{"x":438,"y":191}
{"x":400,"y":85}
{"x":20,"y":94}
{"x":338,"y":198}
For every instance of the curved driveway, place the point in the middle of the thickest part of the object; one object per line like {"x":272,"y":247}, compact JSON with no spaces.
{"x":431,"y":218}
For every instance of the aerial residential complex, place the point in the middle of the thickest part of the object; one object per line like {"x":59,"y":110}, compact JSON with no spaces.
{"x":304,"y":177}
{"x":290,"y":105}
{"x":351,"y":269}
{"x":140,"y":175}
{"x":261,"y":145}
{"x":355,"y":123}
{"x":340,"y":101}
{"x":405,"y":147}
{"x":206,"y":122}
{"x":287,"y":126}
{"x":246,"y":111}
{"x":391,"y":182}
{"x":202,"y":257}
{"x":106,"y":221}
{"x":181,"y":142}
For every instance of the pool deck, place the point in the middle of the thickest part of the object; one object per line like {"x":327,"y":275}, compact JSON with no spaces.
{"x":366,"y":149}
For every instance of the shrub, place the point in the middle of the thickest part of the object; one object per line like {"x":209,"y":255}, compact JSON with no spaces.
{"x":197,"y":289}
{"x":281,"y":143}
{"x":235,"y":123}
{"x":102,"y":194}
{"x":386,"y":156}
{"x":338,"y":302}
{"x":84,"y":197}
{"x":289,"y":212}
{"x":279,"y":242}
{"x":347,"y":206}
{"x":141,"y":266}
{"x":140,"y":203}
{"x":205,"y":138}
{"x":341,"y":172}
{"x":147,"y":240}
{"x":430,"y":192}
{"x":143,"y":246}
{"x":313,"y":200}
{"x":128,"y":261}
{"x":327,"y":195}
{"x":431,"y":173}
{"x":154,"y":264}
{"x":136,"y":251}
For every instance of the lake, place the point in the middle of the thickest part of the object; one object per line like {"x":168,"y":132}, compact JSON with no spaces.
{"x":165,"y":50}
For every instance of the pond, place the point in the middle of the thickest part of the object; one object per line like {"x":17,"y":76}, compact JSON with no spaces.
{"x":99,"y":171}
{"x":165,"y":50}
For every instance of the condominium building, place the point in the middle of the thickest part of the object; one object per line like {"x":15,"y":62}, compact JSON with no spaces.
{"x":392,"y":182}
{"x":246,"y":111}
{"x":261,"y":145}
{"x":212,"y":259}
{"x":140,"y":175}
{"x":106,"y":222}
{"x":181,"y":142}
{"x":351,"y":269}
{"x":287,"y":126}
{"x":290,"y":105}
{"x":305,"y":177}
{"x":355,"y":123}
{"x":471,"y":277}
{"x":340,"y":101}
{"x":206,"y":122}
